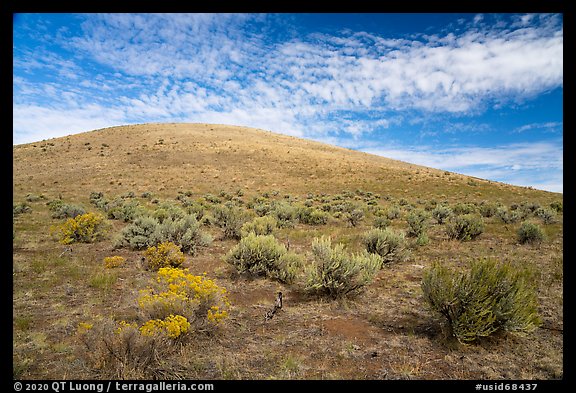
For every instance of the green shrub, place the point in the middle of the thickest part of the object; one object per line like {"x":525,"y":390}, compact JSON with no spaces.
{"x":263,"y":256}
{"x":259,"y":226}
{"x":530,"y":233}
{"x":335,"y":273}
{"x":441,"y":214}
{"x":465,"y":227}
{"x":123,"y":210}
{"x":386,"y":243}
{"x":98,"y":200}
{"x":289,"y":265}
{"x":168,"y":210}
{"x":529,"y":207}
{"x":489,"y":297}
{"x":185,"y":232}
{"x":261,"y":208}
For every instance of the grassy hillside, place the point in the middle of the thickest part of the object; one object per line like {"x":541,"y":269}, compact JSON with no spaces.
{"x":67,"y":301}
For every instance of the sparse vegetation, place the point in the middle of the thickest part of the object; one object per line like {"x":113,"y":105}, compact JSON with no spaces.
{"x":383,"y":330}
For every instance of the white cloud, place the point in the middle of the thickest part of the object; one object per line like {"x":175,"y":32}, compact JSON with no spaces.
{"x":551,"y":126}
{"x":539,"y":164}
{"x":227,"y":68}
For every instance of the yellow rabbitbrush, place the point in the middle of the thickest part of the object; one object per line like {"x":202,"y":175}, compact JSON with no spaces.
{"x":85,"y":228}
{"x":177,"y":292}
{"x":173,"y":326}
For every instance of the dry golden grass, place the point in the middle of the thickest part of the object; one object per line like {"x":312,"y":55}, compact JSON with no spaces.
{"x":387,"y":332}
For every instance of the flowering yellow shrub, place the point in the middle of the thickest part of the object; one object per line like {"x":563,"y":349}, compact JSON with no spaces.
{"x":84,"y":327}
{"x":112,"y":262}
{"x":122,"y":325}
{"x":180,"y":293}
{"x":215,"y":315}
{"x":85,"y":228}
{"x":165,"y":254}
{"x":173,"y":326}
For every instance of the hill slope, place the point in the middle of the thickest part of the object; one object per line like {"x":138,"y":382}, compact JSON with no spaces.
{"x":165,"y":158}
{"x":75,"y":317}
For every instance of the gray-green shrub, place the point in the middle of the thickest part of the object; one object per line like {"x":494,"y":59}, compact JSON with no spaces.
{"x":284,"y":212}
{"x":393,"y":212}
{"x":19,"y":208}
{"x":122,"y":210}
{"x":354,"y":217}
{"x":311,"y":216}
{"x":65,"y":210}
{"x":464,"y":208}
{"x":465,"y":227}
{"x":548,"y":216}
{"x":230,"y":219}
{"x":387,"y":243}
{"x":381,"y":222}
{"x":265,"y":225}
{"x":487,"y":209}
{"x":557,"y":206}
{"x":263,"y":256}
{"x":491,"y":296}
{"x":530,"y":233}
{"x":441,"y":214}
{"x":138,"y":235}
{"x":335,"y":273}
{"x":147,"y":231}
{"x":417,"y":223}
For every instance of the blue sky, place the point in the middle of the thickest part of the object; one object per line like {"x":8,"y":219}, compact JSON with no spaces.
{"x":478,"y":94}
